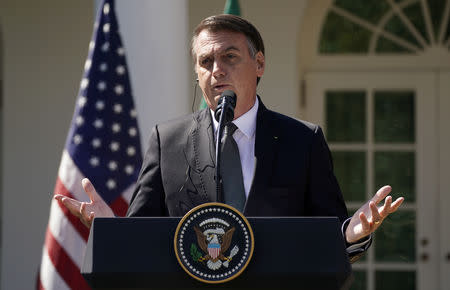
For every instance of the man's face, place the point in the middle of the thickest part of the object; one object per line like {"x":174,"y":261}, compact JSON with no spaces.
{"x":223,"y":62}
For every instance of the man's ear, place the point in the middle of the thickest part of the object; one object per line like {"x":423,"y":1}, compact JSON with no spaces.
{"x":260,"y":63}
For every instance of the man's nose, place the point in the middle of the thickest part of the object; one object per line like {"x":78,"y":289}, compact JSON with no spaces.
{"x":218,"y":69}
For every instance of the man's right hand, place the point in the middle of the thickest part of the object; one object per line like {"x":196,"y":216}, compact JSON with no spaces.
{"x":86,"y":211}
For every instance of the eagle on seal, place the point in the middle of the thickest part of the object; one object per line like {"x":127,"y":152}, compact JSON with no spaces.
{"x":209,"y":242}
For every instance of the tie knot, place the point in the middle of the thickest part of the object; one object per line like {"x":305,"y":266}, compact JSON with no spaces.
{"x":230,"y":128}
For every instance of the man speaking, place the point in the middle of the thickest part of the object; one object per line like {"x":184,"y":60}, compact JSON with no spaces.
{"x":284,"y":166}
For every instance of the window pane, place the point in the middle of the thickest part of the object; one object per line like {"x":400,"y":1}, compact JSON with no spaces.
{"x":339,"y":35}
{"x":345,"y":116}
{"x":395,"y":239}
{"x":398,"y":28}
{"x":415,"y":15}
{"x":436,"y":7}
{"x":398,"y":280}
{"x":398,"y":170}
{"x":394,"y":116}
{"x":369,"y":10}
{"x":350,"y":170}
{"x":447,"y":34}
{"x":384,"y":45}
{"x":360,"y":280}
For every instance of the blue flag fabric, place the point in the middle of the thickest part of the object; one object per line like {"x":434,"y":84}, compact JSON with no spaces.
{"x":104,"y":138}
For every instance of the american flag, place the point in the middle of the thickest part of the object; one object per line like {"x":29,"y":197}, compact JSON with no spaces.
{"x":103,"y":144}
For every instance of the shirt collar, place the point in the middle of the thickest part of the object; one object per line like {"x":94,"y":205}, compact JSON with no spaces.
{"x":246,"y":123}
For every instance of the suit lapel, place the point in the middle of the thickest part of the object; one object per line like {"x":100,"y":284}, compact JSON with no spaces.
{"x":265,"y":150}
{"x":204,"y":153}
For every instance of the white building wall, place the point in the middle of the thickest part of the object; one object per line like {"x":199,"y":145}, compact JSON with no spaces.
{"x":45,"y":44}
{"x":156,"y":39}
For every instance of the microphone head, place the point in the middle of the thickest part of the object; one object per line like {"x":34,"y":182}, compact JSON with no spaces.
{"x":231,"y":96}
{"x":227,"y":103}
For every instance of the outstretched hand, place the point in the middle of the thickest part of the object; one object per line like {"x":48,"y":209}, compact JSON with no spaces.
{"x":369,"y":217}
{"x":86,"y":211}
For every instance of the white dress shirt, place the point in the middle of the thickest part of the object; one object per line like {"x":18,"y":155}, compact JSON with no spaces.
{"x":245,"y":140}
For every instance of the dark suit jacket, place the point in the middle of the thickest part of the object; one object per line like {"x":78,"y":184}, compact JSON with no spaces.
{"x":293,"y":173}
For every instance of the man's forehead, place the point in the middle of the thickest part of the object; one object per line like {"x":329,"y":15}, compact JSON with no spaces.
{"x":208,"y":42}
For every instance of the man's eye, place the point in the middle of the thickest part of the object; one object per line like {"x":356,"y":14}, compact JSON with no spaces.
{"x":231,"y":56}
{"x":205,"y":61}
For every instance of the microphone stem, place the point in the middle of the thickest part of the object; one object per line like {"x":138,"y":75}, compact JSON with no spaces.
{"x":219,"y":195}
{"x":225,"y":110}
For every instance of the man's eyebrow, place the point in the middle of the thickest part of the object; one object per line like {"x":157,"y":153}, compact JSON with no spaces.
{"x":230,"y":48}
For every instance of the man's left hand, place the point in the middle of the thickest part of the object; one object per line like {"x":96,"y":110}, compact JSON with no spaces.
{"x":369,"y":217}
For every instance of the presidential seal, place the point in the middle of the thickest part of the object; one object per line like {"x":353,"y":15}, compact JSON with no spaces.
{"x":214,"y":243}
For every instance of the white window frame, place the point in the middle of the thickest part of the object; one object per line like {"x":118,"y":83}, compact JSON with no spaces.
{"x":427,"y":190}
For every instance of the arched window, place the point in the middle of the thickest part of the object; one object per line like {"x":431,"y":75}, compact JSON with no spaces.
{"x":385,"y":26}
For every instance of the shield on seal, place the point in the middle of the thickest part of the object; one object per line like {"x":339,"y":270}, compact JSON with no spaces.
{"x":214,"y":250}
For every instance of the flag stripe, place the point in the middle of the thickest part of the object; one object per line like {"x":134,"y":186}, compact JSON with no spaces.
{"x":74,"y":221}
{"x":119,"y":206}
{"x":39,"y":285}
{"x":62,"y":230}
{"x":67,"y":269}
{"x":49,"y":276}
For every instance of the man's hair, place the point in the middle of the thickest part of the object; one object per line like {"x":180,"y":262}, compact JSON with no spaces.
{"x":233,"y":23}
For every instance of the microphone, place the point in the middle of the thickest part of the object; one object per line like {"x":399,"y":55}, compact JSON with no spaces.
{"x":224,"y":114}
{"x":226,"y":105}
